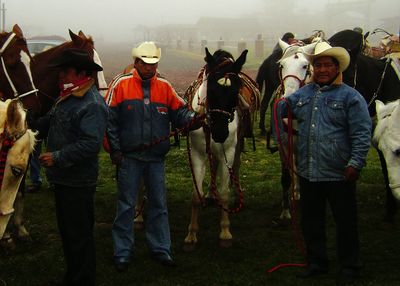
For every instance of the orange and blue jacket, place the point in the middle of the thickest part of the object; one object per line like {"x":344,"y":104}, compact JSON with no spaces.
{"x":140,"y":114}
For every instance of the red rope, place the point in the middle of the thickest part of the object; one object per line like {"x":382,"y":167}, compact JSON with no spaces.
{"x":289,"y":164}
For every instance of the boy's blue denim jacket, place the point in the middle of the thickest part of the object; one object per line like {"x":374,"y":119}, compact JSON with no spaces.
{"x":75,"y":135}
{"x":334,"y":130}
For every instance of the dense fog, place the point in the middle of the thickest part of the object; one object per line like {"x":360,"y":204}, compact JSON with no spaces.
{"x":186,"y":20}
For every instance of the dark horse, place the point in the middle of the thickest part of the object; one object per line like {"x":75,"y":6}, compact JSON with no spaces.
{"x":32,"y":81}
{"x":374,"y":79}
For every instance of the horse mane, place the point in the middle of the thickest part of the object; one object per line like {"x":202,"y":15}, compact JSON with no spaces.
{"x":351,"y":40}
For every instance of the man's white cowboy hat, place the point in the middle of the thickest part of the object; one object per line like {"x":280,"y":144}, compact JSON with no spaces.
{"x":323,"y":49}
{"x":147,"y":52}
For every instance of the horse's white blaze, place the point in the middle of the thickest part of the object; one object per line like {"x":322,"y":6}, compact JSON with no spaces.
{"x":387,"y":139}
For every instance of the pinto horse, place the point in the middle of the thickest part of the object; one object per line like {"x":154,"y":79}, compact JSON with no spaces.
{"x":374,"y":79}
{"x":217,"y":95}
{"x":34,"y":83}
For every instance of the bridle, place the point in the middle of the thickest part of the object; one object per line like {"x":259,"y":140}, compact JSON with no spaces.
{"x":302,"y":82}
{"x":3,"y":65}
{"x":223,"y":81}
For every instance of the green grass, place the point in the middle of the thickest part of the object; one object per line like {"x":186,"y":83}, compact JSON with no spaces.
{"x":257,"y":246}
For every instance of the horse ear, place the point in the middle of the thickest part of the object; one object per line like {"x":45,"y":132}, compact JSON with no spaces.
{"x":75,"y":38}
{"x":240,"y":61}
{"x":283,"y":44}
{"x":209,"y":58}
{"x":17,"y":30}
{"x":81,"y":34}
{"x":308,"y":49}
{"x":379,"y":105}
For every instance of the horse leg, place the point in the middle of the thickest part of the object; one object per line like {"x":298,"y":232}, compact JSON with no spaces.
{"x":263,"y":110}
{"x":18,"y":217}
{"x":225,"y":236}
{"x":285,"y":216}
{"x":391,"y":203}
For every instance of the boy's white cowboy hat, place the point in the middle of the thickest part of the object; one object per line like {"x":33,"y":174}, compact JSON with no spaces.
{"x":323,"y":49}
{"x":147,"y":52}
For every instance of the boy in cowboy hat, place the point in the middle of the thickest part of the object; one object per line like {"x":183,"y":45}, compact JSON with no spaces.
{"x":334,"y":132}
{"x":75,"y":126}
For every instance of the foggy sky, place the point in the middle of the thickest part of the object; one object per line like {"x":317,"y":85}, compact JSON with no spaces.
{"x":115,"y":19}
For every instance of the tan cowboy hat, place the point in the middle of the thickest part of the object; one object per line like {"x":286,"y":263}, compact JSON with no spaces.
{"x":323,"y":49}
{"x":147,"y":52}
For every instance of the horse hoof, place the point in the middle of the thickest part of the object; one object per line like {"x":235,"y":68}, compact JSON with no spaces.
{"x":189,"y":247}
{"x":138,"y":225}
{"x":225,"y":243}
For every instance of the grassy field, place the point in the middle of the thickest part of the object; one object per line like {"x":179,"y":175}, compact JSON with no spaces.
{"x":257,"y":245}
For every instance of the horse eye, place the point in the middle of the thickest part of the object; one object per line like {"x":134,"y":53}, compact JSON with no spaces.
{"x":397,"y":152}
{"x":305,"y":67}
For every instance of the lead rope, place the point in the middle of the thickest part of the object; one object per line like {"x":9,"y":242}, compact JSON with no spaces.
{"x":380,"y":82}
{"x":293,"y":205}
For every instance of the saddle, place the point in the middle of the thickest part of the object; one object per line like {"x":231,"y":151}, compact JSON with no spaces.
{"x":249,"y":101}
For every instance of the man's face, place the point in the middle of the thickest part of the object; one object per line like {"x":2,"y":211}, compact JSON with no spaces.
{"x":68,"y":75}
{"x":325,"y":70}
{"x":146,"y":71}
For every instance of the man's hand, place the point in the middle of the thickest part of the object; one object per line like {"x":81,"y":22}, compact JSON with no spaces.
{"x":46,"y":159}
{"x":351,"y":174}
{"x":116,"y":157}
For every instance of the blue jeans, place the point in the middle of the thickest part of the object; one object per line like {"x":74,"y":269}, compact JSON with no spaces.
{"x":34,"y":168}
{"x":130,"y":173}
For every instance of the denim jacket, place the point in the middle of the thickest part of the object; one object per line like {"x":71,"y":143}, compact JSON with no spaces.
{"x":334,"y":130}
{"x":76,"y":130}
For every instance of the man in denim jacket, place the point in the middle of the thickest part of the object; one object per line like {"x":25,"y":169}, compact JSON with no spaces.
{"x":76,"y":126}
{"x":334,"y":132}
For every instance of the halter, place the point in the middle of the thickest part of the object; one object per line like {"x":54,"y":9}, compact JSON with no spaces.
{"x":16,"y":94}
{"x":301,"y":81}
{"x":223,"y":81}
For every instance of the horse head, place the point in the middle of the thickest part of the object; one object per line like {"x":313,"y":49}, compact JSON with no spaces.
{"x":46,"y":78}
{"x":294,"y":68}
{"x":223,"y":84}
{"x":15,"y":74}
{"x":386,"y":138}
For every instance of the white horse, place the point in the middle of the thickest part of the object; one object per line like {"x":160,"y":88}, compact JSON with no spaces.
{"x":217,"y":141}
{"x":294,"y":72}
{"x":386,"y":138}
{"x":17,"y":142}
